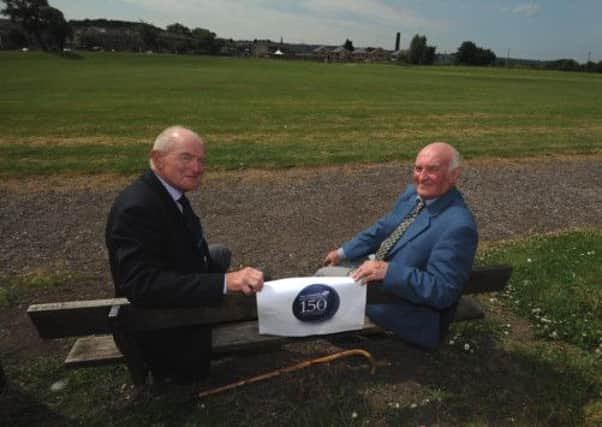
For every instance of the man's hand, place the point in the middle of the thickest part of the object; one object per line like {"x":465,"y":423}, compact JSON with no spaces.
{"x":248,"y":281}
{"x":370,"y":271}
{"x":332,"y":258}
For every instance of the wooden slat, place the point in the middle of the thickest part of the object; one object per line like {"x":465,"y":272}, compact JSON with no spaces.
{"x":234,"y":308}
{"x":82,"y":318}
{"x":490,"y":278}
{"x":93,"y":351}
{"x":73,"y":319}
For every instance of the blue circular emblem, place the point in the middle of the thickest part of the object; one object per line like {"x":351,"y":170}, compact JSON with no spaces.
{"x":316,"y":303}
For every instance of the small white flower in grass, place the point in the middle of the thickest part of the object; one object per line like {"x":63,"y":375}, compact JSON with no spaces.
{"x":529,"y":260}
{"x":413,"y":406}
{"x":466,"y":347}
{"x":59,"y":385}
{"x":354,"y":415}
{"x":451,"y":342}
{"x":553,"y":335}
{"x":397,"y":406}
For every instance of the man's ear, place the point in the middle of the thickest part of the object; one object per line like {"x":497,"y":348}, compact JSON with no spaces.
{"x":455,"y":174}
{"x":157,"y":158}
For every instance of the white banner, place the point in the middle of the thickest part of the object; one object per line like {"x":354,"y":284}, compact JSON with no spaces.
{"x":302,"y":306}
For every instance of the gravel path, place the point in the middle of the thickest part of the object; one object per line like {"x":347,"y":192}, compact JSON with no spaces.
{"x":286,"y":221}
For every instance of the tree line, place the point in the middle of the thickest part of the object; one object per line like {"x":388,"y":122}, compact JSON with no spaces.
{"x":468,"y":53}
{"x":38,"y":24}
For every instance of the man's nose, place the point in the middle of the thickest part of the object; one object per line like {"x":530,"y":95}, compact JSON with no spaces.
{"x":198,"y":166}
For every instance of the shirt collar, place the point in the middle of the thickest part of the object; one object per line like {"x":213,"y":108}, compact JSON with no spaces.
{"x":173,"y":192}
{"x":427,"y":202}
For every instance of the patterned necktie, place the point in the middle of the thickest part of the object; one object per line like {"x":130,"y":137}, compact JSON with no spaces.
{"x":390,"y":241}
{"x":191,"y":220}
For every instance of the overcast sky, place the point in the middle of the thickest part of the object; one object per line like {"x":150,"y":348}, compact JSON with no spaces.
{"x":540,"y":29}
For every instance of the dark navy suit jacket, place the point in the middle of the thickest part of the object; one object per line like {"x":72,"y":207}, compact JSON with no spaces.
{"x":428,"y":266}
{"x":155,"y":262}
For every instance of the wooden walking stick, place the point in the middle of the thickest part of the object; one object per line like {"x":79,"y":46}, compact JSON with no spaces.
{"x":295,"y":367}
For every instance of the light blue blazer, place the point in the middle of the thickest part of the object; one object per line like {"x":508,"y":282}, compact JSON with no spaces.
{"x":428,"y":266}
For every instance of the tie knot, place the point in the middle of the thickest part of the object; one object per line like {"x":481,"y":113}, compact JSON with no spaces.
{"x":183,"y":200}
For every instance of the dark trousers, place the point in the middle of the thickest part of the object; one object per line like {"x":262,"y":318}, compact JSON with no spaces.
{"x":182,"y":354}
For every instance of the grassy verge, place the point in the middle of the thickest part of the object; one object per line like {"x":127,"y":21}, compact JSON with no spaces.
{"x":557,"y":285}
{"x":489,"y":373}
{"x":101,"y":113}
{"x":20,"y":288}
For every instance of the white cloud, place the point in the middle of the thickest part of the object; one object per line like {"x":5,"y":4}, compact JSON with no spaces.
{"x":526,"y":9}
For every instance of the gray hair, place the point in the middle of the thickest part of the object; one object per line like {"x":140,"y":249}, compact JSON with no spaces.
{"x":167,"y":138}
{"x":456,"y":160}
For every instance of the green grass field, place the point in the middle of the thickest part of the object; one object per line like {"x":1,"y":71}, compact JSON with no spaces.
{"x":101,"y":112}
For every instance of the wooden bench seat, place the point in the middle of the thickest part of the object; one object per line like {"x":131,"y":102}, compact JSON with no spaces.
{"x":100,"y":323}
{"x":98,"y":350}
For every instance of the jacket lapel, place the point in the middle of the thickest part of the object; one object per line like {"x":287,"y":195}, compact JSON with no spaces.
{"x":170,"y":206}
{"x":423,"y":220}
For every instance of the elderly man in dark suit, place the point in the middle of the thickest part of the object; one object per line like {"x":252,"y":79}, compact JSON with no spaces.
{"x":159,"y":256}
{"x":421,"y":252}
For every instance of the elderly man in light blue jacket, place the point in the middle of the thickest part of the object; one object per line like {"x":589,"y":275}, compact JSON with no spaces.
{"x":421,"y":252}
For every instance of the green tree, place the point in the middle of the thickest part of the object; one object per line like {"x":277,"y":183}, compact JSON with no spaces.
{"x":148,"y":36}
{"x":348,"y":45}
{"x":28,"y":13}
{"x":204,"y":40}
{"x":420,"y":52}
{"x":56,"y":27}
{"x":39,"y":19}
{"x":470,"y":54}
{"x":178,"y":29}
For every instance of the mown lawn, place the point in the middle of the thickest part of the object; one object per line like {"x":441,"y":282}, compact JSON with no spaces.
{"x":500,"y":371}
{"x":100,"y":112}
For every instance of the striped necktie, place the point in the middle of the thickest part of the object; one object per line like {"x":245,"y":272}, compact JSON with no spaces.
{"x":191,"y":220}
{"x":390,"y":241}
